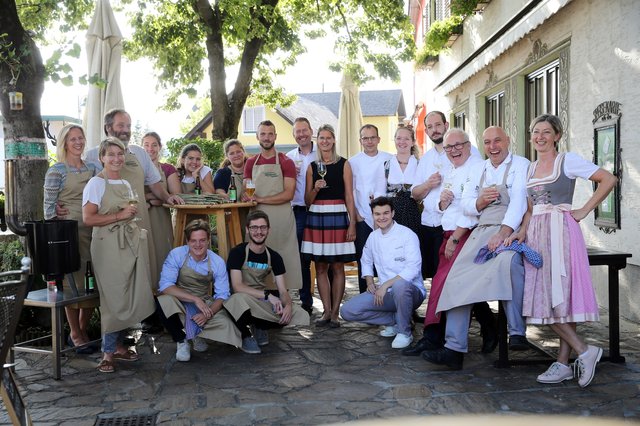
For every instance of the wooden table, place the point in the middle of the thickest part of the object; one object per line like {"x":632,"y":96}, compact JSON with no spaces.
{"x":615,"y":261}
{"x":229,"y":234}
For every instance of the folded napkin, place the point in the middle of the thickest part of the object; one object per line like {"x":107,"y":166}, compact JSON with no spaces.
{"x":530,"y":255}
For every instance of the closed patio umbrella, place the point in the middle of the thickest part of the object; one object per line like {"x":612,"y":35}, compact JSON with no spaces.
{"x":104,"y":51}
{"x":349,"y":118}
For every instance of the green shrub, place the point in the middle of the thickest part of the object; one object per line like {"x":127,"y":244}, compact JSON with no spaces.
{"x":212,"y":153}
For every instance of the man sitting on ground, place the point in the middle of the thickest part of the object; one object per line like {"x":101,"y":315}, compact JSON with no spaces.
{"x":256,"y":302}
{"x":394,"y":250}
{"x":185,"y":285}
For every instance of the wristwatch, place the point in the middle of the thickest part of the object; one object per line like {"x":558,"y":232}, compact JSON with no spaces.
{"x":455,"y":240}
{"x":266,"y":294}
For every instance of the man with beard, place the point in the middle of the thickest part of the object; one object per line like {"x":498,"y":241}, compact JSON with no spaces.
{"x":139,"y":171}
{"x":274,"y":176}
{"x":256,"y":304}
{"x":302,"y":156}
{"x":433,"y":165}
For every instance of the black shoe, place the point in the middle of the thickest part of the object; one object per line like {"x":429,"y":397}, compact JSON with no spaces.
{"x":518,"y":343}
{"x":445,"y":356}
{"x":421,"y":345}
{"x":151,"y":328}
{"x":489,"y":341}
{"x":308,"y":308}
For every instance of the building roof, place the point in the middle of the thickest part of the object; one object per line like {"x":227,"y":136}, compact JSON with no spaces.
{"x":323,"y":108}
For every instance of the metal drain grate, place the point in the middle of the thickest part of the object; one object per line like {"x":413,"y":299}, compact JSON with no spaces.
{"x":136,"y":420}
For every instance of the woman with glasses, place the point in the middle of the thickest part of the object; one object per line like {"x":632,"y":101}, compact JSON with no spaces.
{"x":400,"y":174}
{"x":331,"y":226}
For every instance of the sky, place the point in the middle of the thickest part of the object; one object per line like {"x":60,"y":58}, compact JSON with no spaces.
{"x":311,"y":74}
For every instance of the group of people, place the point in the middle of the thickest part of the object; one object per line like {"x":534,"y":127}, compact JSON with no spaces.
{"x":482,"y":230}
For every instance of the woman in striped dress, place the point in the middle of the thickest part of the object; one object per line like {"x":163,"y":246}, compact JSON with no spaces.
{"x":331,"y":228}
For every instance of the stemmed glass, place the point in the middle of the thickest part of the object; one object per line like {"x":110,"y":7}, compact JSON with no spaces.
{"x":322,"y":170}
{"x":133,"y":201}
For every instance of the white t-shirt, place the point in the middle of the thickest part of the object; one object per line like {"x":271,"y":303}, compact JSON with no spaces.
{"x":368,"y":178}
{"x":301,"y":178}
{"x":204,"y":171}
{"x":94,"y":190}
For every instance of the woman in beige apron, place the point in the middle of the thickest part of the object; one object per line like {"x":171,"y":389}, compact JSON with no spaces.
{"x":68,"y":194}
{"x":489,"y":283}
{"x":269,"y":181}
{"x":159,"y":216}
{"x":239,"y":303}
{"x":220,"y":327}
{"x":232,"y":170}
{"x":119,"y":248}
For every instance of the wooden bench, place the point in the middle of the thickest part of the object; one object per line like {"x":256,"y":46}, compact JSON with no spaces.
{"x":615,"y":261}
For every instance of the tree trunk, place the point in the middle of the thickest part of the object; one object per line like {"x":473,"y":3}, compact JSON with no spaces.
{"x":25,"y":145}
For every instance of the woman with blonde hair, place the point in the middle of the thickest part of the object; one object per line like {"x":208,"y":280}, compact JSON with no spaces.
{"x":63,"y":186}
{"x":331,"y":227}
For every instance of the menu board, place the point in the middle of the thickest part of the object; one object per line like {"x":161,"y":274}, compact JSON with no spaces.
{"x":13,"y":400}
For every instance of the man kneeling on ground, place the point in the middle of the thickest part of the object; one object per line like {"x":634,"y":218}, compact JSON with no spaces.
{"x":394,"y":250}
{"x":185,"y":285}
{"x":257,"y":304}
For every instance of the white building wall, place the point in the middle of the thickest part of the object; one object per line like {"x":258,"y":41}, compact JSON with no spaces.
{"x":604,"y":65}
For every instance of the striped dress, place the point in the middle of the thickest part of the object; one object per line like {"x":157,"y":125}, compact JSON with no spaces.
{"x":325,"y":233}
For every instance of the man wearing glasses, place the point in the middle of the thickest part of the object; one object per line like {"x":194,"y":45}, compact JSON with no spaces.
{"x":260,"y":299}
{"x":495,"y":191}
{"x":368,"y":183}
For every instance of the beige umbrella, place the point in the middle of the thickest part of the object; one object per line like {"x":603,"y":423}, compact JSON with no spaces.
{"x":349,"y":118}
{"x":104,"y":50}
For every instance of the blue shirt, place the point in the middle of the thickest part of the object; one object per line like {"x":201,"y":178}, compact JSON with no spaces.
{"x":175,"y":260}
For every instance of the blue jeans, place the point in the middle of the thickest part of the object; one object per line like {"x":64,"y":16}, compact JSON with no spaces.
{"x":305,"y":265}
{"x":110,"y":341}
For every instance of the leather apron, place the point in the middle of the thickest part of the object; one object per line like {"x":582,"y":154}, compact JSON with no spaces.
{"x":239,"y":303}
{"x":71,"y":197}
{"x":282,"y":237}
{"x":133,"y":173}
{"x":220,"y":327}
{"x":468,"y":282}
{"x":120,"y":264}
{"x":161,"y":227}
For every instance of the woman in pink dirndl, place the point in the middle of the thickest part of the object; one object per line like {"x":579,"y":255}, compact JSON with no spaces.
{"x":560,"y":294}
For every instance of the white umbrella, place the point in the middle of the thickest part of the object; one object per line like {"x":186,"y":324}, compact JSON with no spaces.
{"x":349,"y":118}
{"x":104,"y":50}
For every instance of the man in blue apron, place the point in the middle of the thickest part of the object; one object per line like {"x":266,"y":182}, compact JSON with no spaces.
{"x":260,"y":298}
{"x":496,"y":192}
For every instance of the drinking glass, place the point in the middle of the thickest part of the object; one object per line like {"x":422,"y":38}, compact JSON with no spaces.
{"x":322,"y":170}
{"x":250,"y":188}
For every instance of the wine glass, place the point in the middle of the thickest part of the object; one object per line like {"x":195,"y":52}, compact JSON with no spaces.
{"x":133,"y":200}
{"x":322,"y":171}
{"x":489,"y":182}
{"x":250,"y":188}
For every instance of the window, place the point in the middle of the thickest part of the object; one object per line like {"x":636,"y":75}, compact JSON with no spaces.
{"x":541,"y":94}
{"x":459,"y":120}
{"x":494,"y":112}
{"x":251,"y":117}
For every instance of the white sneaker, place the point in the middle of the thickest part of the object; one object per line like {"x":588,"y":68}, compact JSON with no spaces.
{"x":199,"y":344}
{"x":389,"y":331}
{"x":556,"y":373}
{"x":183,"y":351}
{"x":402,"y":341}
{"x":585,"y":365}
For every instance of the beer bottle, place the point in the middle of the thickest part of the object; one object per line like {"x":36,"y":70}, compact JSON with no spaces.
{"x":198,"y":189}
{"x":89,"y":279}
{"x":233,"y":191}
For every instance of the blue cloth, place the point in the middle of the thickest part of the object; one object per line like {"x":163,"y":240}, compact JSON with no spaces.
{"x":532,"y":256}
{"x":190,"y":327}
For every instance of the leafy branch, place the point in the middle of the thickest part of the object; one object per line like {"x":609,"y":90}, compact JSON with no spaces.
{"x":12,"y":58}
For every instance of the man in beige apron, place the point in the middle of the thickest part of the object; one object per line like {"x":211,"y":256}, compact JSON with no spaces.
{"x":496,"y":192}
{"x":251,"y":267}
{"x":188,"y":274}
{"x":274,"y":176}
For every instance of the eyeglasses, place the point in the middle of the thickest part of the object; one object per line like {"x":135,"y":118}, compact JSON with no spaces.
{"x":369,"y":139}
{"x":458,"y":146}
{"x":255,"y":228}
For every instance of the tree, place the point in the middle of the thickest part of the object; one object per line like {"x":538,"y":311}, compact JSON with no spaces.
{"x":262,"y":38}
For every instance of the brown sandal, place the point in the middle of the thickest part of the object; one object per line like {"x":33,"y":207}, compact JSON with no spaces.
{"x":106,"y":366}
{"x":127,"y":356}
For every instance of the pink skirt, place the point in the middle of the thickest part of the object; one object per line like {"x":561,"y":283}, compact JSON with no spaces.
{"x":580,"y":303}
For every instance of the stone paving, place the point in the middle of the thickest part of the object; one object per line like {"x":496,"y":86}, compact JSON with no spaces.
{"x":318,"y":376}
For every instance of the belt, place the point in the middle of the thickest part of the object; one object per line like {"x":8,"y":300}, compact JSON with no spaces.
{"x":299,"y":208}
